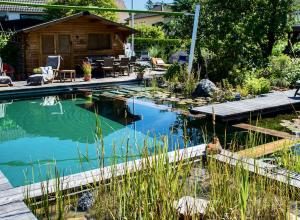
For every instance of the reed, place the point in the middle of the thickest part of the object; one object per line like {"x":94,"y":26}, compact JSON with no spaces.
{"x":149,"y":188}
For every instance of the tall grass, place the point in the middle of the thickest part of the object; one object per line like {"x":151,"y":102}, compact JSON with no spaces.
{"x":158,"y":181}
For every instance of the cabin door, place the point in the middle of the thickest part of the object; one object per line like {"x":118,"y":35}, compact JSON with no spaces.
{"x":57,"y":44}
{"x":64,"y":49}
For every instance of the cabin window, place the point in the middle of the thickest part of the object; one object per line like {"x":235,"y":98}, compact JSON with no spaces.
{"x":99,"y":41}
{"x":48,"y":46}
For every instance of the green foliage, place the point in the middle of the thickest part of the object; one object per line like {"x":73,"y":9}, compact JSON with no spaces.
{"x":241,"y":34}
{"x":146,"y":31}
{"x":149,"y":4}
{"x":165,"y":45}
{"x":280,"y":83}
{"x":242,"y":90}
{"x":175,"y":73}
{"x":155,"y":51}
{"x":9,"y":49}
{"x":257,"y":86}
{"x":55,"y":13}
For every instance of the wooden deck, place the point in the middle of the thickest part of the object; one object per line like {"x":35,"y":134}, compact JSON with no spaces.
{"x":16,"y":209}
{"x":266,"y":149}
{"x":267,"y":131}
{"x":237,"y":110}
{"x":21,"y":89}
{"x":260,"y":168}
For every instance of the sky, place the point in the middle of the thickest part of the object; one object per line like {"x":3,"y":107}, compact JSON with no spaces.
{"x":140,"y":4}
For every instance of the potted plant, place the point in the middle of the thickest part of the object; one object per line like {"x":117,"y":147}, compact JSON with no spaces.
{"x":140,"y":68}
{"x":87,"y":71}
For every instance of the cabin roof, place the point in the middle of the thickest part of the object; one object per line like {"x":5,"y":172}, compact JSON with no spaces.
{"x":75,"y":16}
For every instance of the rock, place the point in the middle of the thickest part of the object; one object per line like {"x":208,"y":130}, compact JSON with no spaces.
{"x":189,"y":206}
{"x":85,"y":202}
{"x":238,"y":97}
{"x":205,"y":88}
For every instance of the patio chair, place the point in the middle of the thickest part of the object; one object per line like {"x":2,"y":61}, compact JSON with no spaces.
{"x":132,"y":63}
{"x":4,"y":80}
{"x":108,"y":66}
{"x":145,"y":56}
{"x":49,"y":72}
{"x":124,"y":65}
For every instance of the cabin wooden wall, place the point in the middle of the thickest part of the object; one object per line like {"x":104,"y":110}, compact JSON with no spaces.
{"x":78,"y":29}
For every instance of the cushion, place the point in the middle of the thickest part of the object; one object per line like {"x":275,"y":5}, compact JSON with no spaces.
{"x":160,"y":62}
{"x":297,"y":83}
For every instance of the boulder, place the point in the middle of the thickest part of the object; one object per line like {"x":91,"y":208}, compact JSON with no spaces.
{"x":205,"y":88}
{"x":85,"y":202}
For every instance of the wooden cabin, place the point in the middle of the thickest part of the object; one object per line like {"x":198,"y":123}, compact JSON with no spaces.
{"x":73,"y":37}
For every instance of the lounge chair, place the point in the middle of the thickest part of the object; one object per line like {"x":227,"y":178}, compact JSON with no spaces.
{"x":159,"y":64}
{"x":48,"y":73}
{"x":297,"y":86}
{"x":4,"y":80}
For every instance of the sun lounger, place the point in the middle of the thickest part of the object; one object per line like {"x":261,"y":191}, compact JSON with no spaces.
{"x":159,"y":64}
{"x":48,"y":73}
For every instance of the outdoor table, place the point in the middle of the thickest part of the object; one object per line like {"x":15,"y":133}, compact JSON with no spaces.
{"x":63,"y":73}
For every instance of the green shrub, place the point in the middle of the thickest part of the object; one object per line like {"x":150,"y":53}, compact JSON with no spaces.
{"x":9,"y":50}
{"x":279,"y":65}
{"x":280,"y":82}
{"x":168,"y":46}
{"x":176,"y":72}
{"x":146,"y":31}
{"x":257,"y":86}
{"x":242,"y":90}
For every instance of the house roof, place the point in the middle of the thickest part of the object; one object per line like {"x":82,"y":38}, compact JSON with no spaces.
{"x":75,"y":16}
{"x":15,"y":8}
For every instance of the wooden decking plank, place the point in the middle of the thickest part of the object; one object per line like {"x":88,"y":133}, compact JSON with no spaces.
{"x":267,"y":131}
{"x":266,"y":149}
{"x":14,"y":207}
{"x":260,"y":168}
{"x":243,"y":108}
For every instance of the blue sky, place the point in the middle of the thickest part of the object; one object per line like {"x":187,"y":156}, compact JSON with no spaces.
{"x":140,"y":4}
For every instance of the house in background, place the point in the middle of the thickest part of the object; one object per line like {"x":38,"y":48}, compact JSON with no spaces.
{"x":11,"y":12}
{"x":152,"y":19}
{"x":73,"y":37}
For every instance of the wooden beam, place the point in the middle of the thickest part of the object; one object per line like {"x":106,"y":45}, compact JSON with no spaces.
{"x":266,"y":149}
{"x":267,"y":131}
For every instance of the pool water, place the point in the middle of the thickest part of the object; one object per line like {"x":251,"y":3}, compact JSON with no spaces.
{"x":41,"y":134}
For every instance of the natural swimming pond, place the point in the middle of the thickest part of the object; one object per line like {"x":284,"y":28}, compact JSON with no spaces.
{"x":40,"y":134}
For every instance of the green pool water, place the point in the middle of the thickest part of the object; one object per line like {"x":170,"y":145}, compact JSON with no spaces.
{"x":41,"y":134}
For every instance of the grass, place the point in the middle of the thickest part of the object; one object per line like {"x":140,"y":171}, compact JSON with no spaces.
{"x":150,"y":192}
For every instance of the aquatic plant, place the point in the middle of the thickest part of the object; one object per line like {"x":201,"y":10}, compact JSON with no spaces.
{"x":148,"y":188}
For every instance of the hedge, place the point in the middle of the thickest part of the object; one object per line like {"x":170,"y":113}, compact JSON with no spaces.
{"x":141,"y":44}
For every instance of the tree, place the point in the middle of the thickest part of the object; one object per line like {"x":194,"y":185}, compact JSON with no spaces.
{"x":146,"y":31}
{"x":55,"y":13}
{"x":240,"y":33}
{"x":149,"y":4}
